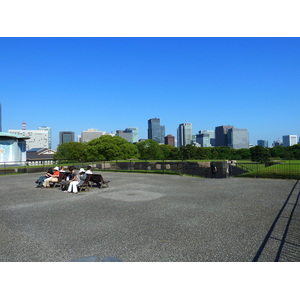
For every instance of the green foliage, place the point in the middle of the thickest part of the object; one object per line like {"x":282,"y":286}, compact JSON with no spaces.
{"x":108,"y":147}
{"x":259,"y":154}
{"x":170,"y":152}
{"x":71,"y":151}
{"x":150,"y":149}
{"x":278,"y":151}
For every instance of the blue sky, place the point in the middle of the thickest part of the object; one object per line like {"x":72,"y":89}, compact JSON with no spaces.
{"x":113,"y":83}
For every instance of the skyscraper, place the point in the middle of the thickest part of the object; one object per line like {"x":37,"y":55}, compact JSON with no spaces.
{"x":263,"y":143}
{"x":184,"y":134}
{"x":156,"y":132}
{"x":289,"y":140}
{"x":238,"y":138}
{"x":49,"y":135}
{"x":66,"y":136}
{"x":206,"y":138}
{"x":221,"y":135}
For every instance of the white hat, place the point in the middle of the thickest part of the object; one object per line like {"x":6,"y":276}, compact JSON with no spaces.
{"x":82,"y":170}
{"x":56,"y":169}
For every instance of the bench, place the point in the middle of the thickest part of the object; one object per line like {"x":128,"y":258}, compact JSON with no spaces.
{"x":98,"y":179}
{"x":85,"y":184}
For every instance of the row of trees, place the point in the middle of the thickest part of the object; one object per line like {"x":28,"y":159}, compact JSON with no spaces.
{"x":116,"y":148}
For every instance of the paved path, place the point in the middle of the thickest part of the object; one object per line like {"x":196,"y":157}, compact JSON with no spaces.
{"x":146,"y":217}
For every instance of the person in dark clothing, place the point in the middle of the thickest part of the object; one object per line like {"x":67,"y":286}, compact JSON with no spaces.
{"x":213,"y":169}
{"x":71,"y":177}
{"x":42,"y":178}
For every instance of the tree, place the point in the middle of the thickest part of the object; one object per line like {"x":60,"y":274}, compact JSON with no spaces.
{"x":108,"y":147}
{"x":259,"y":154}
{"x":278,"y":151}
{"x":71,"y":151}
{"x":150,"y":149}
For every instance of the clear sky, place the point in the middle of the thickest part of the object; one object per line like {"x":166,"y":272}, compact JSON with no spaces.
{"x":113,"y":83}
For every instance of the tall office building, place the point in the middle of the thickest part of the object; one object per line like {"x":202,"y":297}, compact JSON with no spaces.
{"x":206,"y":138}
{"x":156,"y":131}
{"x":289,"y":140}
{"x":135,"y":133}
{"x":184,"y":134}
{"x":170,"y":140}
{"x":263,"y":143}
{"x":37,"y":138}
{"x":49,"y":135}
{"x":238,"y":138}
{"x":130,"y":134}
{"x":221,"y":135}
{"x":66,"y":136}
{"x":90,"y":134}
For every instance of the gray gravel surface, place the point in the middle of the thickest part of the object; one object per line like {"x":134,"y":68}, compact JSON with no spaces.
{"x":151,"y":218}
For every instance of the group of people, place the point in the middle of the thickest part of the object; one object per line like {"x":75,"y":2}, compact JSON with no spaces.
{"x":72,"y":180}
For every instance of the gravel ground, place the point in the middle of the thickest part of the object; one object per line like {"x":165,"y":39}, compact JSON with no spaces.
{"x":151,"y":218}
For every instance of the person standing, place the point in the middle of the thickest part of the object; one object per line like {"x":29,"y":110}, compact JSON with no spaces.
{"x":213,"y":169}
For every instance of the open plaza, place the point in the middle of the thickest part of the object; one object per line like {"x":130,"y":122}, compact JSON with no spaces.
{"x":151,"y":218}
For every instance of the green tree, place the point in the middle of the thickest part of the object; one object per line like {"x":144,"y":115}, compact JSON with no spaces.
{"x":71,"y":151}
{"x":259,"y":154}
{"x":150,"y":149}
{"x":108,"y":147}
{"x":278,"y":151}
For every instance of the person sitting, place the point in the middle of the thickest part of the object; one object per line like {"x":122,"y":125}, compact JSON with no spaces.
{"x":73,"y":185}
{"x":62,"y":169}
{"x":53,"y":178}
{"x":42,"y":178}
{"x":71,"y":177}
{"x":89,"y":170}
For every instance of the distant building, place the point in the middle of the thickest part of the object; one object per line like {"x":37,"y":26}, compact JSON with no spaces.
{"x":131,"y":134}
{"x":277,"y":143}
{"x":289,"y":140}
{"x":221,"y":135}
{"x":238,"y":138}
{"x":156,"y":131}
{"x":263,"y":143}
{"x":66,"y":136}
{"x":206,"y":138}
{"x":37,"y":138}
{"x":49,"y":135}
{"x":12,"y":148}
{"x":170,"y":140}
{"x":184,"y":134}
{"x":91,"y":134}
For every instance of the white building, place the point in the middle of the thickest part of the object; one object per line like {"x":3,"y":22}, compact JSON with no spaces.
{"x":289,"y":140}
{"x":49,"y":135}
{"x":37,"y":138}
{"x":91,"y":134}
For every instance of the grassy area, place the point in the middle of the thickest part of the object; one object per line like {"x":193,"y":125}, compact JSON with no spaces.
{"x":285,"y":170}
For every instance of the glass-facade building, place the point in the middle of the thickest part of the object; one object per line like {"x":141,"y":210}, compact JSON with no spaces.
{"x":221,"y":138}
{"x":184,"y":134}
{"x":206,"y":138}
{"x":238,"y":138}
{"x":156,"y":131}
{"x":66,"y":136}
{"x":263,"y":143}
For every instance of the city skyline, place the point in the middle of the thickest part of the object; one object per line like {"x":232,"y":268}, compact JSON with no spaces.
{"x":72,"y":84}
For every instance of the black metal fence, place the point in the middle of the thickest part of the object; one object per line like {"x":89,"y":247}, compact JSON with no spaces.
{"x":283,"y":170}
